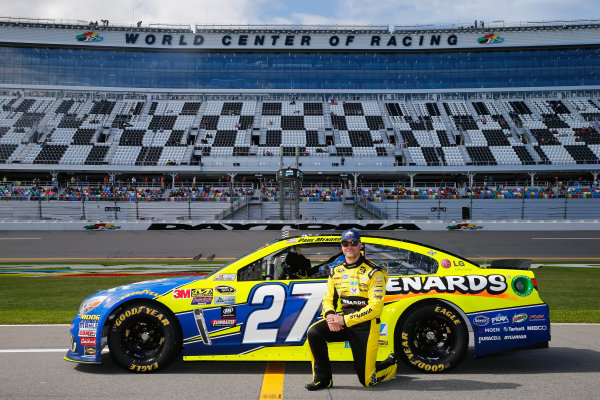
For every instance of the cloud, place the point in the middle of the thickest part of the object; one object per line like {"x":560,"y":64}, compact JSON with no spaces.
{"x":332,"y":12}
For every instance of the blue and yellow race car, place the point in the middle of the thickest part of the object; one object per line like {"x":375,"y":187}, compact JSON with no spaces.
{"x":260,"y":306}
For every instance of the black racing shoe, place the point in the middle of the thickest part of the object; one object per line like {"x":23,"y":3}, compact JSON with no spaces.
{"x":319,"y":385}
{"x":388,"y":362}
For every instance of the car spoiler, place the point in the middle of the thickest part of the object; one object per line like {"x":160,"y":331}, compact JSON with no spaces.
{"x":511,"y":263}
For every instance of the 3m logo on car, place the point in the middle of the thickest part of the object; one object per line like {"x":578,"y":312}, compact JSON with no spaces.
{"x":182,"y":293}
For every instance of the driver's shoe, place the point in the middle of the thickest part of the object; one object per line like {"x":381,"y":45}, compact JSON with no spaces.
{"x":319,"y":385}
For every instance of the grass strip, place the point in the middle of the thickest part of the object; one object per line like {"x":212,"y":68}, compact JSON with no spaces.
{"x":570,"y":292}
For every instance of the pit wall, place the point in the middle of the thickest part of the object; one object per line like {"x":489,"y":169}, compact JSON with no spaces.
{"x":384,"y":225}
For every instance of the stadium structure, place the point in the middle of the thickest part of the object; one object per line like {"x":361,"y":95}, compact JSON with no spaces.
{"x":356,"y":103}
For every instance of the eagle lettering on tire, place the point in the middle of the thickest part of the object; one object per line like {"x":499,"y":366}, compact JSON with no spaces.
{"x":432,"y":338}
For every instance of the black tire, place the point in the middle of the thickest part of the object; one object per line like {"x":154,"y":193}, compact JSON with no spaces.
{"x":144,"y":337}
{"x":432,"y":338}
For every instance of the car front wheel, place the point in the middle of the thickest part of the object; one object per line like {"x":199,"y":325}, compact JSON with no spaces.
{"x":432,"y":338}
{"x":144,"y":337}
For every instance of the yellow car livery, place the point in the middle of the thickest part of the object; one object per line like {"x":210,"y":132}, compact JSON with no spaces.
{"x":260,"y":306}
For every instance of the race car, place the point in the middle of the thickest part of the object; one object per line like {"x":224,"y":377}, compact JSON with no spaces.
{"x":260,"y":306}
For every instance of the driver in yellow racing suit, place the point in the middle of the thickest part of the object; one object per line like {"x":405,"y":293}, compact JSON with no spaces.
{"x":359,"y":286}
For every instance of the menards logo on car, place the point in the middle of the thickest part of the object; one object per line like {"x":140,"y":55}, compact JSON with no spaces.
{"x":469,"y":284}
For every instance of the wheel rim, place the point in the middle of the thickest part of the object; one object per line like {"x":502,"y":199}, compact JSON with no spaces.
{"x":143,"y":339}
{"x":433,"y":338}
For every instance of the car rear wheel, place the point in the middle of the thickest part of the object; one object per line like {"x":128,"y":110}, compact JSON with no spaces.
{"x":432,"y":338}
{"x":144,"y":337}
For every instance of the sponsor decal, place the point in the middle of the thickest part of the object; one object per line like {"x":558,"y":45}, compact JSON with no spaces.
{"x":346,"y":345}
{"x":513,"y":328}
{"x":518,"y":318}
{"x":89,"y":351}
{"x":202,"y":300}
{"x":140,"y":292}
{"x":290,"y":241}
{"x":92,"y":326}
{"x":349,"y":302}
{"x":362,"y":270}
{"x":92,"y":317}
{"x":491,"y":330}
{"x":224,"y":289}
{"x":224,"y":300}
{"x":205,"y":292}
{"x":89,"y":37}
{"x":88,"y":340}
{"x":515,"y":337}
{"x":228,"y":312}
{"x":537,"y":328}
{"x":353,"y":290}
{"x":490,"y":38}
{"x":225,"y":277}
{"x":481,"y":320}
{"x":343,"y":276}
{"x":469,"y":284}
{"x":500,"y":319}
{"x":87,"y":333}
{"x":182,"y":293}
{"x":354,"y":282}
{"x":383,"y":330}
{"x":489,"y":338}
{"x":446,"y":263}
{"x":431,"y":253}
{"x":383,"y":342}
{"x":223,"y":323}
{"x":537,"y":317}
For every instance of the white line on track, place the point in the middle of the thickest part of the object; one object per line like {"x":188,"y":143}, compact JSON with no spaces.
{"x":555,"y":238}
{"x":33,"y":351}
{"x":9,"y":238}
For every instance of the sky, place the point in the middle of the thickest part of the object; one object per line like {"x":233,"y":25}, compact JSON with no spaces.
{"x":305,"y":12}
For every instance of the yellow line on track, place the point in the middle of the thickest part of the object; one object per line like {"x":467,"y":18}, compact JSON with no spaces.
{"x":272,"y":385}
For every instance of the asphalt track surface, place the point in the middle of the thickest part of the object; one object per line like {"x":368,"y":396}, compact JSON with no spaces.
{"x":568,"y":369}
{"x":183,"y":245}
{"x":31,"y":364}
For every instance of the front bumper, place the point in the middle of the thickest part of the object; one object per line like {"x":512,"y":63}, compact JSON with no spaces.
{"x":86,"y":340}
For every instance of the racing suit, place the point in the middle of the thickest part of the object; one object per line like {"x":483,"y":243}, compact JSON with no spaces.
{"x":360,"y":288}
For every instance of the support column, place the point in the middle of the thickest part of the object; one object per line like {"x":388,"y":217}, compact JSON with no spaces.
{"x":355,"y":175}
{"x":113,"y":178}
{"x":532,"y":176}
{"x":231,"y":176}
{"x":471,"y":176}
{"x":412,"y":175}
{"x":173,"y":176}
{"x":595,"y":175}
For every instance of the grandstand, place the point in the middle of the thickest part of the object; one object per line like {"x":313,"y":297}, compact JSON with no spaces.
{"x":348,"y":103}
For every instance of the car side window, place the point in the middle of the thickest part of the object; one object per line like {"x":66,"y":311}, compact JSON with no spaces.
{"x":398,"y":261}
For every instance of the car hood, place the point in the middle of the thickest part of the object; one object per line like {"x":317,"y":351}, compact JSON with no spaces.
{"x":149,"y":289}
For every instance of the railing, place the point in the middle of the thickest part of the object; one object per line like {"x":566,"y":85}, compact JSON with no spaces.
{"x":292,"y":27}
{"x":235,"y":206}
{"x":47,"y":209}
{"x":577,"y":23}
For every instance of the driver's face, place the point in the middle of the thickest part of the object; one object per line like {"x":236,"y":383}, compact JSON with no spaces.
{"x":352,"y":253}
